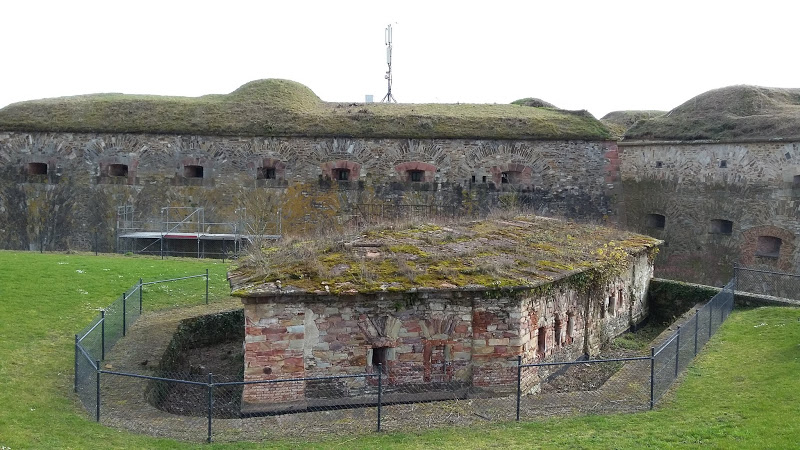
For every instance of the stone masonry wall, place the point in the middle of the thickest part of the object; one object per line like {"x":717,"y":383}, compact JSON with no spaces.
{"x":443,"y":340}
{"x":88,"y":175}
{"x":716,"y":200}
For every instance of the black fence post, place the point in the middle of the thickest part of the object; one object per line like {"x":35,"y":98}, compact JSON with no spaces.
{"x":696,"y":328}
{"x":103,"y":334}
{"x":76,"y":363}
{"x":710,"y":317}
{"x":677,"y":350}
{"x":140,"y":296}
{"x":124,"y":307}
{"x":210,"y":402}
{"x":380,"y":389}
{"x":206,"y":286}
{"x":519,"y":383}
{"x":97,"y":394}
{"x":652,"y":376}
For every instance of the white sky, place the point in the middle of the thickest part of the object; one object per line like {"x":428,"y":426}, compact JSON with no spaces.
{"x":596,"y":55}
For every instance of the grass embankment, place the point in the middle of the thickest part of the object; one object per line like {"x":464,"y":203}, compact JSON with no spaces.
{"x":286,"y":108}
{"x":742,"y":392}
{"x":751,"y":113}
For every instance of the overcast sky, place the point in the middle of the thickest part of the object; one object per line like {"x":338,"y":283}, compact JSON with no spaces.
{"x":596,"y":55}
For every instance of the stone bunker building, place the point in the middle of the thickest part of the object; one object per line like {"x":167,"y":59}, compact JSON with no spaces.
{"x":440,"y":308}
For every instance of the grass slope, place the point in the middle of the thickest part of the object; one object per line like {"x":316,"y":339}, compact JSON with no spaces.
{"x":742,"y":392}
{"x":729,"y":113}
{"x":286,"y":108}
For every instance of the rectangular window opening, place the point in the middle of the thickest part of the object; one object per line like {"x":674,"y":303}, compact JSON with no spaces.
{"x":341,"y":174}
{"x":37,"y":168}
{"x":721,"y":226}
{"x":379,"y":355}
{"x":659,"y":164}
{"x":416,"y":176}
{"x":723,"y":164}
{"x":542,"y":340}
{"x":265,"y":173}
{"x":612,"y":305}
{"x":473,"y":178}
{"x":118,"y":170}
{"x":768,"y":246}
{"x":193,"y":171}
{"x":656,"y":221}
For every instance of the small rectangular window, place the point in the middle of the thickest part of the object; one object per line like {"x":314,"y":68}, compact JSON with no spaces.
{"x":341,"y":174}
{"x":379,"y":359}
{"x":473,"y":178}
{"x":656,"y":221}
{"x":570,"y":325}
{"x":721,"y":226}
{"x":118,"y":170}
{"x":612,"y":305}
{"x":723,"y":164}
{"x":266,"y":173}
{"x":542,"y":340}
{"x":415,"y":176}
{"x":193,"y":171}
{"x":768,"y":246}
{"x":483,"y":179}
{"x":37,"y":169}
{"x":659,"y":164}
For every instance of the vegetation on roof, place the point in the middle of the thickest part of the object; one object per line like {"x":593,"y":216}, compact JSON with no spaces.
{"x":729,"y":113}
{"x":285,"y":108}
{"x":620,"y":121}
{"x":534,"y":102}
{"x":523,"y":252}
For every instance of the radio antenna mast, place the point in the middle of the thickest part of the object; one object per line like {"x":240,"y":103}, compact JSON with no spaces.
{"x":389,"y":98}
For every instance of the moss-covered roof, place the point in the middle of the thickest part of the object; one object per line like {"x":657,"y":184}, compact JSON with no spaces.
{"x":730,"y":113}
{"x":620,"y":121}
{"x":520,"y":253}
{"x":286,"y":108}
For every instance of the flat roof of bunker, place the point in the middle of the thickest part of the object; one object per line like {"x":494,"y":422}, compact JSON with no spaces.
{"x":519,"y":253}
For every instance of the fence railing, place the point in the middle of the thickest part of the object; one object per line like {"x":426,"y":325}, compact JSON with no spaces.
{"x":767,"y":283}
{"x":208,"y":406}
{"x":112,"y":323}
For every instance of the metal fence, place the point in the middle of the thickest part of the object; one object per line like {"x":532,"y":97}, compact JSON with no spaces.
{"x":112,"y":323}
{"x":767,"y":283}
{"x":197,"y":405}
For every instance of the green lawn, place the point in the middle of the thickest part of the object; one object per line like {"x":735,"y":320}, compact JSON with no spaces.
{"x":742,"y":392}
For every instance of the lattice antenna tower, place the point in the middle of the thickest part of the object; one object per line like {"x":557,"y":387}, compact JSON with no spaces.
{"x":389,"y":98}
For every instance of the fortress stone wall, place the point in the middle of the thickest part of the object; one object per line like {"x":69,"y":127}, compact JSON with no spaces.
{"x":61,"y":190}
{"x":714,"y":204}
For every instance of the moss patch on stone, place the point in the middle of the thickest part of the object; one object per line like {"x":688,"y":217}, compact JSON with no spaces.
{"x":285,"y":108}
{"x":522,"y":252}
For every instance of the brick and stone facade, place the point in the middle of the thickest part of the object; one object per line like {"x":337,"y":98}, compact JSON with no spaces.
{"x":433,"y":339}
{"x":718,"y":200}
{"x":61,"y":190}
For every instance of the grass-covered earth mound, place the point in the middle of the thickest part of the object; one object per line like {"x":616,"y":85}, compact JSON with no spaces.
{"x":729,"y":113}
{"x":275,"y":107}
{"x":522,"y":252}
{"x":620,"y":121}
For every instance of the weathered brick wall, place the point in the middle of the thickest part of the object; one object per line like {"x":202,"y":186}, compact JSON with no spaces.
{"x":750,"y":184}
{"x":569,"y":178}
{"x":448,"y":338}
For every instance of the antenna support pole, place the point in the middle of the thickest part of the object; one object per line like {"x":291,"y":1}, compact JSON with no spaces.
{"x":389,"y":98}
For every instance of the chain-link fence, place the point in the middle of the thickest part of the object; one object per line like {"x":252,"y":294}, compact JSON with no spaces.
{"x":197,"y":405}
{"x":112,"y":323}
{"x":767,"y":283}
{"x":675,"y":354}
